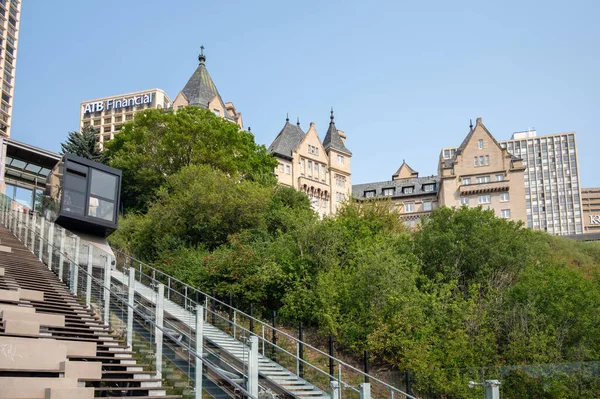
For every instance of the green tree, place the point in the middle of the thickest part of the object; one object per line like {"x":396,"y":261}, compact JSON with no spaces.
{"x":158,"y":144}
{"x":83,"y":144}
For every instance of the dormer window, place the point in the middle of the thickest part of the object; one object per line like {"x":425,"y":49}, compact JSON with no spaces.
{"x":408,"y":190}
{"x":428,"y":187}
{"x":388,"y":191}
{"x":370,"y":194}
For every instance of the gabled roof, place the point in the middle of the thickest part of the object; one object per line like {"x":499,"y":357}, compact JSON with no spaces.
{"x":405,"y":170}
{"x":200,"y":88}
{"x":333,"y":139}
{"x":287,"y":140}
{"x":449,"y":162}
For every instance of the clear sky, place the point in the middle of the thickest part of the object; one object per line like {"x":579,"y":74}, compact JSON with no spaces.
{"x":404,"y":77}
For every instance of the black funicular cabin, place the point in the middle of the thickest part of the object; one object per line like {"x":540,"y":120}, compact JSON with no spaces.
{"x":83,"y":195}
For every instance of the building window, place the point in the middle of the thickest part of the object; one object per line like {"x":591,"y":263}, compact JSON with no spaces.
{"x":86,"y":124}
{"x":407,"y":190}
{"x":217,"y":112}
{"x":107,"y":137}
{"x":466,"y":181}
{"x":487,"y":159}
{"x":340,"y":197}
{"x":482,"y":179}
{"x":505,"y":213}
{"x":6,"y":97}
{"x":117,"y":128}
{"x":504,"y":197}
{"x":288,"y":170}
{"x":409,"y":207}
{"x":96,"y":122}
{"x":118,"y":118}
{"x":107,"y":120}
{"x":499,"y":177}
{"x":370,"y":194}
{"x":310,"y":167}
{"x":128,"y":117}
{"x":281,"y":167}
{"x":106,"y":129}
{"x":484,"y":199}
{"x":446,"y":154}
{"x":427,"y":206}
{"x":481,"y":160}
{"x":475,"y":161}
{"x":313,"y":150}
{"x":388,"y":191}
{"x":464,"y":201}
{"x":428,"y":187}
{"x":340,"y":181}
{"x":480,"y":144}
{"x":340,"y":159}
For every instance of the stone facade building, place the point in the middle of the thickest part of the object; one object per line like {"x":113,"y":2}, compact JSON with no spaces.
{"x":411,"y":195}
{"x":481,"y":172}
{"x":321,"y":169}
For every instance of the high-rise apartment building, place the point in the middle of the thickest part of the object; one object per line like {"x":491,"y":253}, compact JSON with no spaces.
{"x":10,"y":17}
{"x":551,"y":180}
{"x":319,"y":169}
{"x":107,"y":115}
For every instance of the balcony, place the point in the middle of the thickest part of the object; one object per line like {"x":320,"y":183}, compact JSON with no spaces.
{"x":485,"y":187}
{"x":309,"y":185}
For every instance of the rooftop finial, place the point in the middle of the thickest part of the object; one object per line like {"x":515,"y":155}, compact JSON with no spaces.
{"x":249,"y":129}
{"x":287,"y":117}
{"x":298,"y":121}
{"x":202,"y":57}
{"x":471,"y":124}
{"x":331,"y":117}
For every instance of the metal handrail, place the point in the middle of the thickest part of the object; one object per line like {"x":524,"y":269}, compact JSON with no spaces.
{"x":117,"y":295}
{"x":262,"y":323}
{"x":187,"y":300}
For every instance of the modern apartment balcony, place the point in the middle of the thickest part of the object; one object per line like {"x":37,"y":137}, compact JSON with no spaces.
{"x":485,"y":187}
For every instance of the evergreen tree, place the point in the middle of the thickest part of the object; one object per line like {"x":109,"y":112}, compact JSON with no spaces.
{"x":84,"y":144}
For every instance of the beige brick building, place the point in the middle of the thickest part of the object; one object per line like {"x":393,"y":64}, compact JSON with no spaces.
{"x":590,"y":200}
{"x":322,"y":170}
{"x":481,"y":172}
{"x":108,"y":114}
{"x":412,"y":196}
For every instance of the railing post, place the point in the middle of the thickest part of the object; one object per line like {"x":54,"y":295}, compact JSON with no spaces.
{"x":234,"y":324}
{"x":88,"y":285}
{"x":213,"y":317}
{"x":130,"y":299}
{"x":274,"y":336}
{"x":107,"y":270}
{"x":301,"y":350}
{"x":199,"y":350}
{"x":253,"y":367}
{"x":41,"y":250}
{"x":365,"y":390}
{"x":169,"y":291}
{"x":20,"y":226}
{"x":160,"y":300}
{"x":331,"y":357}
{"x":230,"y":310}
{"x":251,"y":319}
{"x":262,"y":328}
{"x":50,"y":245}
{"x":62,"y":256}
{"x":366,"y":365}
{"x":75,"y":275}
{"x":492,"y":389}
{"x":28,"y":224}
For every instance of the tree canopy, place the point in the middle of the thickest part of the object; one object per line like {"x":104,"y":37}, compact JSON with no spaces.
{"x":84,"y":144}
{"x":158,"y":144}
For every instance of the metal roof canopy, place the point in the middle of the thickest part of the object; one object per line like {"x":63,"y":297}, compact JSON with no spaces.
{"x":29,"y":163}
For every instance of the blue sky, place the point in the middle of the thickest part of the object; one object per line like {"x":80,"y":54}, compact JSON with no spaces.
{"x":404,"y":77}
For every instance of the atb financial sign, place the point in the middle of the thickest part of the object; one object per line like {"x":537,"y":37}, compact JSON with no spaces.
{"x":117,"y":103}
